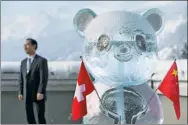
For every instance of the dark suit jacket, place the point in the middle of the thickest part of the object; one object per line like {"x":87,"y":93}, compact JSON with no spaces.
{"x":35,"y":81}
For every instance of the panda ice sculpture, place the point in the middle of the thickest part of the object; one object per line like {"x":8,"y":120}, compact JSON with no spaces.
{"x":120,"y":50}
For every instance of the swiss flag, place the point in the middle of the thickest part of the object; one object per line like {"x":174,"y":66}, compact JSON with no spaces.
{"x":83,"y":88}
{"x":170,"y":88}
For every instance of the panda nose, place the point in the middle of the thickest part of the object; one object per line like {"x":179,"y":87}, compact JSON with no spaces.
{"x":124,"y":49}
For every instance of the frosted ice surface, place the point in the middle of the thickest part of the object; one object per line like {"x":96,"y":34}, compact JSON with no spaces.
{"x":112,"y":52}
{"x":153,"y":114}
{"x":120,"y":50}
{"x":134,"y":104}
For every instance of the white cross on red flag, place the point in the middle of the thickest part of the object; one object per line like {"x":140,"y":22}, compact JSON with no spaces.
{"x":83,"y":88}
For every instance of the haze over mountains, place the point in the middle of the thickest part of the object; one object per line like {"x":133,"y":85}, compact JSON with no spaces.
{"x":51,"y":24}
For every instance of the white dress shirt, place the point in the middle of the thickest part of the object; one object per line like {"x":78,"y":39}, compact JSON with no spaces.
{"x":29,"y":65}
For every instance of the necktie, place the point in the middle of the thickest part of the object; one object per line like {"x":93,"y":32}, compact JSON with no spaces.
{"x":29,"y":64}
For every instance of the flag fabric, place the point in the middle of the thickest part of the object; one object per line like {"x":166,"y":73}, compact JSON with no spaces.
{"x":83,"y":88}
{"x":170,"y":88}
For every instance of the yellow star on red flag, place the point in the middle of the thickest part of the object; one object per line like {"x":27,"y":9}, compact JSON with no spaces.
{"x":175,"y":72}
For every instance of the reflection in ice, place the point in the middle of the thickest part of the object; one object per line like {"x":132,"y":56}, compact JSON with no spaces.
{"x":134,"y":105}
{"x":137,"y":109}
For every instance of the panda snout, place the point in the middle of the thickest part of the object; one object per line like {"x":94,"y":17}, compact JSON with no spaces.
{"x":123,"y":53}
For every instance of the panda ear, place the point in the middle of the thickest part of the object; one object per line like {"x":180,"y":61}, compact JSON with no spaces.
{"x":82,"y":19}
{"x":155,"y":18}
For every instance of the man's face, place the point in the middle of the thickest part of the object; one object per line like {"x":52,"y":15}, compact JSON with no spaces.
{"x":28,"y":47}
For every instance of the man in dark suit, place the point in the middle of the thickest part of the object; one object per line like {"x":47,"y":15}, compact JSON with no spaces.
{"x":33,"y":82}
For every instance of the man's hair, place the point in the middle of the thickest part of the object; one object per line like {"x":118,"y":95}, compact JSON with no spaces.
{"x":33,"y":42}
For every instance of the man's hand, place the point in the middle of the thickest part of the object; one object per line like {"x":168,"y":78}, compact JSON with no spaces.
{"x":70,"y":116}
{"x":20,"y":97}
{"x":40,"y":96}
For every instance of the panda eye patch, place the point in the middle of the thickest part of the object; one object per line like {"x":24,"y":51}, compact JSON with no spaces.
{"x":140,"y":42}
{"x":103,"y":42}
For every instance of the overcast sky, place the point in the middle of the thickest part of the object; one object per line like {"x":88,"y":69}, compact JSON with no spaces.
{"x":50,"y":22}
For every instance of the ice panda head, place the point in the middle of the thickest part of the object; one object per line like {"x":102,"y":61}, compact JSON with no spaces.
{"x":119,"y":45}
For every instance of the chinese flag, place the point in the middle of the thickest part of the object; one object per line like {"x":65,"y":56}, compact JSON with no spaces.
{"x":83,"y":88}
{"x":170,"y":88}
